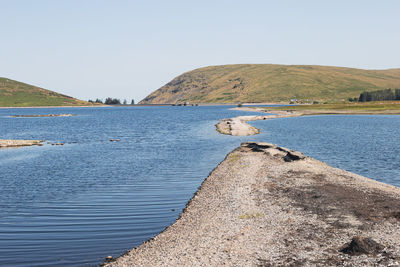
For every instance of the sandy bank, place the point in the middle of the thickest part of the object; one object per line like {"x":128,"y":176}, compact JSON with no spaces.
{"x":270,"y":206}
{"x":16,"y":143}
{"x":45,"y":115}
{"x":238,"y":127}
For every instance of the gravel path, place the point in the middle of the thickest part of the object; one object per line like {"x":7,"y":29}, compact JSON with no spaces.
{"x":269,"y":206}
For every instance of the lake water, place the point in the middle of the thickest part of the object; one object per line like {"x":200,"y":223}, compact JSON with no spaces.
{"x":75,"y":204}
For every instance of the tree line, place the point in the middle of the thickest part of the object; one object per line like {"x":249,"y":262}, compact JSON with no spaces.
{"x":112,"y":101}
{"x":380,"y":95}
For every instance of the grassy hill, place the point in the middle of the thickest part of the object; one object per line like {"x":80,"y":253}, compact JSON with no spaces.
{"x":271,"y":83}
{"x":18,"y":94}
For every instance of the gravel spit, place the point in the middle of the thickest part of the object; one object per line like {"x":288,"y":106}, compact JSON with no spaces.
{"x":266,"y":205}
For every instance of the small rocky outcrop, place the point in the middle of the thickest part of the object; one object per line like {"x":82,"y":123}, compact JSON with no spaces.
{"x":362,"y":245}
{"x":286,"y":154}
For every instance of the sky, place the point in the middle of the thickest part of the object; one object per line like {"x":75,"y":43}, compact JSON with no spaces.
{"x":127,"y":49}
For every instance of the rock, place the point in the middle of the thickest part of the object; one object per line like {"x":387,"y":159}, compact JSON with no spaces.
{"x":117,"y":140}
{"x":109,"y":258}
{"x":259,"y":146}
{"x":111,"y":140}
{"x":361,"y":245}
{"x":293,"y":155}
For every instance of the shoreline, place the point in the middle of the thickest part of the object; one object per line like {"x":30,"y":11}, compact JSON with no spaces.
{"x":265,"y":205}
{"x":151,"y":105}
{"x":94,"y":106}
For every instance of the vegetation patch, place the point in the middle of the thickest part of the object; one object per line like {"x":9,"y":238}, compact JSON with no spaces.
{"x":251,"y":215}
{"x":259,"y":83}
{"x":17,"y":94}
{"x":234,"y":158}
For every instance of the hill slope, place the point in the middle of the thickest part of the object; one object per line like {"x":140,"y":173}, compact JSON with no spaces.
{"x":271,"y":83}
{"x":18,"y":94}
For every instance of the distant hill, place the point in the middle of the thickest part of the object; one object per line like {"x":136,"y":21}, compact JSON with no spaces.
{"x":18,"y":94}
{"x":271,"y":83}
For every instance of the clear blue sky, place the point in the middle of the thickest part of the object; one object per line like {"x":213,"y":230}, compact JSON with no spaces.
{"x":127,"y":49}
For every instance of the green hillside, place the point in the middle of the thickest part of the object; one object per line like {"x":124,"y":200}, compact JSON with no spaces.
{"x":271,"y":83}
{"x":17,"y":94}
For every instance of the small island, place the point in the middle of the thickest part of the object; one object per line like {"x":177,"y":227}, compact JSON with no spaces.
{"x":44,"y":115}
{"x":17,"y":143}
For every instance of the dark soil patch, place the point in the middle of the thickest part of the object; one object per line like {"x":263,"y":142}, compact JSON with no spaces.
{"x":361,"y":245}
{"x":328,"y":200}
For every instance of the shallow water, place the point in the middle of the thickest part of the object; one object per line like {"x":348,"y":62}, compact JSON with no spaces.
{"x":75,"y":204}
{"x":364,"y":144}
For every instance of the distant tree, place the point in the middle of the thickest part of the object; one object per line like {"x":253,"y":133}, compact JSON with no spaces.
{"x":90,"y":101}
{"x":125,"y":103}
{"x":380,"y":95}
{"x":133,"y":102}
{"x":397,"y":94}
{"x":371,"y":96}
{"x":112,"y":101}
{"x":363,"y":97}
{"x":99,"y":101}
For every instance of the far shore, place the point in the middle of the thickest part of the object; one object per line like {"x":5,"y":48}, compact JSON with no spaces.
{"x":94,"y":106}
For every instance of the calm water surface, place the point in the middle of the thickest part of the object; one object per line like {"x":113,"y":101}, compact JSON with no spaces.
{"x":75,"y":204}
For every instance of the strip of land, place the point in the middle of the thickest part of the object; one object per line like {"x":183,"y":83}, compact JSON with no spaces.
{"x":266,"y":205}
{"x":44,"y":115}
{"x":238,"y":127}
{"x":17,"y":143}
